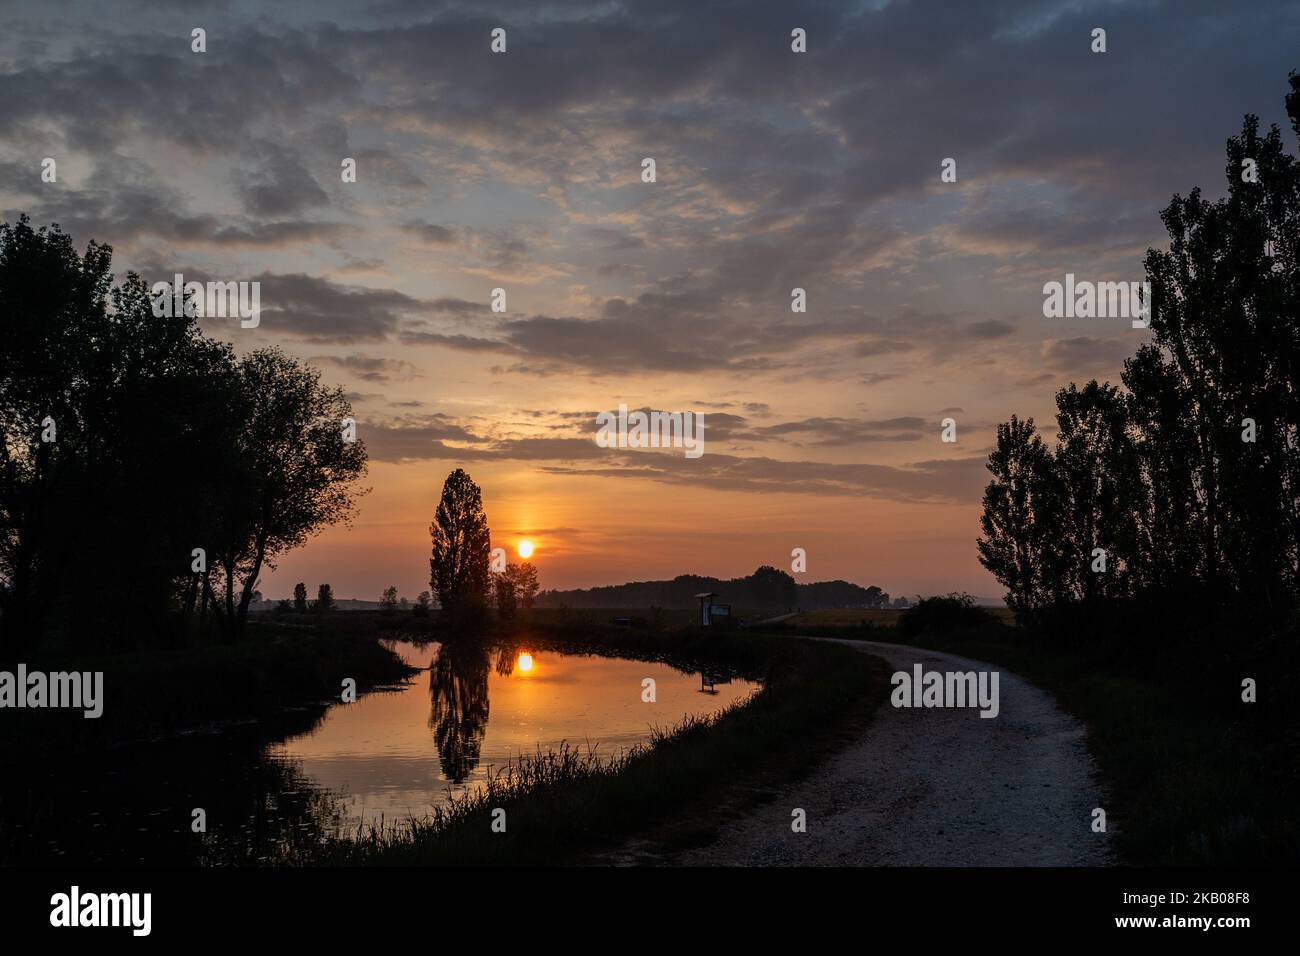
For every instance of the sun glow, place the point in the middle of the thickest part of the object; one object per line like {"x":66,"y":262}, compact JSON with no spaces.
{"x":525,"y":549}
{"x":525,"y":663}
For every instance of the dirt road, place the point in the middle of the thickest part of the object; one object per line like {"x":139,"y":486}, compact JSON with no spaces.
{"x":936,"y":787}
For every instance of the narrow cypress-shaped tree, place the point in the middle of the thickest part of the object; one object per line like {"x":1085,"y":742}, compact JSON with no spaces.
{"x":461,"y":545}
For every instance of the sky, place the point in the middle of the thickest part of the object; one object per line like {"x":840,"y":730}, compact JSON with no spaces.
{"x":522,"y":171}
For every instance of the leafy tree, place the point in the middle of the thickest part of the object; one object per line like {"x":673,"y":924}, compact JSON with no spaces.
{"x":515,"y":587}
{"x":942,"y":614}
{"x":124,"y":397}
{"x":503,"y":590}
{"x":300,"y":597}
{"x":324,"y":598}
{"x":296,"y":474}
{"x":461,"y":546}
{"x":526,"y":587}
{"x":51,"y":301}
{"x":769,"y":587}
{"x":1097,"y":474}
{"x":1171,"y":518}
{"x":421,"y":608}
{"x":1191,"y":478}
{"x":1226,"y":339}
{"x":388,"y":603}
{"x":164,"y":444}
{"x":1022,"y":519}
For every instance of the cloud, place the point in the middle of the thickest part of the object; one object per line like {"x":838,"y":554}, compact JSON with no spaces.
{"x":1087,"y":355}
{"x":281,"y":185}
{"x":845,"y":431}
{"x":381,"y":166}
{"x":881,"y":346}
{"x":430,"y":233}
{"x":414,"y":440}
{"x":940,"y":480}
{"x":952,"y":480}
{"x":990,"y":329}
{"x":120,"y":209}
{"x":316,"y":310}
{"x":461,"y":343}
{"x":368,"y":368}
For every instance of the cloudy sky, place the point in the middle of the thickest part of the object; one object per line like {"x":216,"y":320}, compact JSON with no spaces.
{"x":522,"y":171}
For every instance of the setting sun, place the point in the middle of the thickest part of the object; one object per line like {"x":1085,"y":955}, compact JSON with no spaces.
{"x":525,"y":663}
{"x":525,"y":549}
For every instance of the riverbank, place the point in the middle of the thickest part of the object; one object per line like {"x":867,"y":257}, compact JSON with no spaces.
{"x":566,"y":807}
{"x":157,"y":694}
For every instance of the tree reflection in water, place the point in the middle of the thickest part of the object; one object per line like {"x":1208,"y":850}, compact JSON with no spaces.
{"x":458,"y":715}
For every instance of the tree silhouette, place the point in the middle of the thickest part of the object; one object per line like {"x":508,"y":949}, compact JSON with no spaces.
{"x":461,"y":544}
{"x":324,"y":598}
{"x":503,"y":591}
{"x":112,"y":433}
{"x":515,"y":587}
{"x":296,"y":475}
{"x":526,"y":587}
{"x":1190,"y":479}
{"x":1021,"y":520}
{"x":129,"y":428}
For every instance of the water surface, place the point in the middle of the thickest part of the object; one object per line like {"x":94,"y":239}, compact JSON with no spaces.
{"x":310,"y":773}
{"x":393,"y":755}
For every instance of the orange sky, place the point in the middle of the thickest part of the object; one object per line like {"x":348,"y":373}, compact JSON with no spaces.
{"x":776,"y":170}
{"x":594,"y":531}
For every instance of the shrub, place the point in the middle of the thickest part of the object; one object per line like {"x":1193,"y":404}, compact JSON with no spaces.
{"x":941,"y":614}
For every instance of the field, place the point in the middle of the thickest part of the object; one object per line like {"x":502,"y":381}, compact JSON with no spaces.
{"x":864,"y":617}
{"x":662,"y":617}
{"x":846,"y":617}
{"x":837,"y":617}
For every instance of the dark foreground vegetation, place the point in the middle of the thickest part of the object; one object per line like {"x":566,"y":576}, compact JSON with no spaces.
{"x":1194,"y":776}
{"x":572,"y":805}
{"x":161,"y":693}
{"x":575,"y":806}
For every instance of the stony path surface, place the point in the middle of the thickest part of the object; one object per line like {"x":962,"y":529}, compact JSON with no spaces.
{"x":935,"y":787}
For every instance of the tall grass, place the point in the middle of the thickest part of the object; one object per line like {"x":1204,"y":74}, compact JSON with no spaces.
{"x":553,"y":773}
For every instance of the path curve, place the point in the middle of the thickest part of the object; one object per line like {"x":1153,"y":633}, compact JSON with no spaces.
{"x":936,"y":787}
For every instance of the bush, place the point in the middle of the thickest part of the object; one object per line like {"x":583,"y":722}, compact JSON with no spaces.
{"x":941,"y":614}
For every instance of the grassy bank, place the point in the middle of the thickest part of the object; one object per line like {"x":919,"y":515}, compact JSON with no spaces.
{"x":1194,"y":775}
{"x":159,"y":693}
{"x":568,"y":807}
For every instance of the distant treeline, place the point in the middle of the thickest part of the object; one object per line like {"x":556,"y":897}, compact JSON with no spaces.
{"x":766,"y":589}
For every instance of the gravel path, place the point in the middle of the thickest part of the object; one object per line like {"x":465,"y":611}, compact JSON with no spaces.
{"x":936,"y":787}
